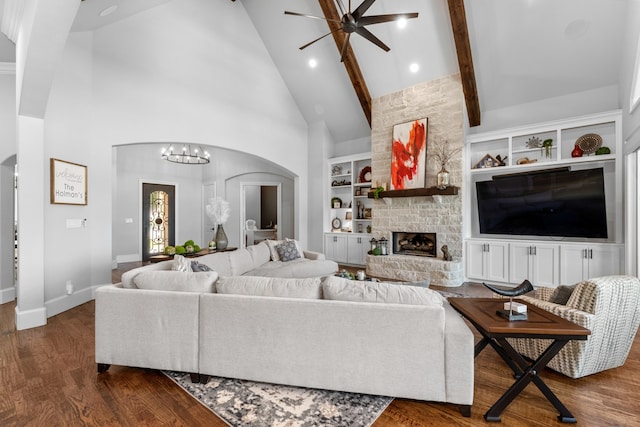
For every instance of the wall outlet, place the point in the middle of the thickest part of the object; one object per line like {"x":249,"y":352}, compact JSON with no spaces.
{"x":69,"y":287}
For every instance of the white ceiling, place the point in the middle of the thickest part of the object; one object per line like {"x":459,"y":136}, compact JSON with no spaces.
{"x":523,"y":50}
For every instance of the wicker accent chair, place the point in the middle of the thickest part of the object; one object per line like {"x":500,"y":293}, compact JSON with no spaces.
{"x":609,"y":307}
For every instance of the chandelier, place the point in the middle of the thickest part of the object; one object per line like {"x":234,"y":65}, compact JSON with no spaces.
{"x":186,"y":155}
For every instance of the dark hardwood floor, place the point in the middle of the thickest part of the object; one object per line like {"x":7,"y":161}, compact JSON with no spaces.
{"x":48,"y":378}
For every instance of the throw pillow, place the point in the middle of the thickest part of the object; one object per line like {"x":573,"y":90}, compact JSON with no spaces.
{"x":180,"y":263}
{"x":310,"y":288}
{"x":288,"y":251}
{"x":197,"y":267}
{"x":272,"y":249}
{"x":337,"y":288}
{"x":176,"y":281}
{"x":300,"y":251}
{"x":561,"y":294}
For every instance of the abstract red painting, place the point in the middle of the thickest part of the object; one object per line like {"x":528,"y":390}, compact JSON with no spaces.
{"x":409,"y":155}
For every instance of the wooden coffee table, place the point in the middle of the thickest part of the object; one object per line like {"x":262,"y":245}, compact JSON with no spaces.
{"x":495,"y":330}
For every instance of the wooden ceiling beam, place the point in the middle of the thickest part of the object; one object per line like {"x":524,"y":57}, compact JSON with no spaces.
{"x":465,"y":61}
{"x":350,"y":62}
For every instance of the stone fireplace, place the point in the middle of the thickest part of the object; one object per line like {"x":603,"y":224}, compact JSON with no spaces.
{"x":439,"y":216}
{"x":419,"y":244}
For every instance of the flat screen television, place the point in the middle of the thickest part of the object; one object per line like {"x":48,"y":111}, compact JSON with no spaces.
{"x":552,"y":202}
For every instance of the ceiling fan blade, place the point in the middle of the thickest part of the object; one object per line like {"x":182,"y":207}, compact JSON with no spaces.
{"x":362,"y":9}
{"x":319,"y":38}
{"x":345,"y":44}
{"x":373,"y":39}
{"x":378,"y":19}
{"x":286,"y":12}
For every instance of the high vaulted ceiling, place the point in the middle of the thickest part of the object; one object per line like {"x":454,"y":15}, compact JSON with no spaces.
{"x":523,"y":50}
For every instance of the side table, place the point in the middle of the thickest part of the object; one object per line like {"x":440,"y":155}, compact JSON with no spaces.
{"x":163,"y":257}
{"x":495,"y":330}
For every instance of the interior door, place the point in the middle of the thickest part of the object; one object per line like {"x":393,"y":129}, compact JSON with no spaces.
{"x":158,"y":213}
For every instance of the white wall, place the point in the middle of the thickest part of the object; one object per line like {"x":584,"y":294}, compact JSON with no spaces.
{"x":630,"y":121}
{"x":562,"y":107}
{"x":7,"y":162}
{"x":320,"y":143}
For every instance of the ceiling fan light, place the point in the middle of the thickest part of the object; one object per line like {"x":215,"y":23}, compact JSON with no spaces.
{"x":313,"y":63}
{"x":402,"y":23}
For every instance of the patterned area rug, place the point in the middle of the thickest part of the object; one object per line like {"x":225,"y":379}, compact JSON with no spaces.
{"x":248,"y":403}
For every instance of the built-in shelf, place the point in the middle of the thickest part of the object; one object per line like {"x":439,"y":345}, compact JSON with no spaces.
{"x":417,"y":192}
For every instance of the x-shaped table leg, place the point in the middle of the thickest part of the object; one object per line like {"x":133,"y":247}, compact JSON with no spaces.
{"x":524,"y":374}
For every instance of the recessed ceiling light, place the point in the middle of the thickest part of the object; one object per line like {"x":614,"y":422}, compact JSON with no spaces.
{"x":414,"y":67}
{"x":402,"y":22}
{"x":313,"y":63}
{"x":109,"y":10}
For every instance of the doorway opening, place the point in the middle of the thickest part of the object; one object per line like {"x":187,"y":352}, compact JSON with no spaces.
{"x":261,"y":212}
{"x":158,"y":213}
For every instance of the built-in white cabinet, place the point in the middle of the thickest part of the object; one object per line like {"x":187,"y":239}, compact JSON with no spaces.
{"x":535,"y":261}
{"x":335,"y":247}
{"x":575,"y":144}
{"x":584,"y":261}
{"x":347,"y":218}
{"x":543,"y":264}
{"x":487,"y":260}
{"x":357,"y":248}
{"x":346,"y":248}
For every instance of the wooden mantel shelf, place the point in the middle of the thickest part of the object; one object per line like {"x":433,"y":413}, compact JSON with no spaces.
{"x":417,"y":192}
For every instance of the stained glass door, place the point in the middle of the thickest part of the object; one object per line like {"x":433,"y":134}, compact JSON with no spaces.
{"x":158,"y":212}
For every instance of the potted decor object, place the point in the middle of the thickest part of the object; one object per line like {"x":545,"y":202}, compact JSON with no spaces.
{"x":218,"y":211}
{"x":443,"y":153}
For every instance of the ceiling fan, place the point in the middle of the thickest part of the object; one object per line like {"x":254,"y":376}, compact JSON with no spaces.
{"x":355,"y":22}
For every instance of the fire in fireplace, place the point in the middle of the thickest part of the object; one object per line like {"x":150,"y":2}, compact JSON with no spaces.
{"x":420,"y":244}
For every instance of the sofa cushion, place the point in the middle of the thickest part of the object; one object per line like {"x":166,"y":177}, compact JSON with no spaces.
{"x":176,"y":281}
{"x":337,"y":288}
{"x":240,"y":261}
{"x":298,"y":268}
{"x":217,"y":262}
{"x":561,"y":294}
{"x":180,"y":263}
{"x":260,"y":253}
{"x":270,"y":286}
{"x":127,"y":277}
{"x":288,"y":250}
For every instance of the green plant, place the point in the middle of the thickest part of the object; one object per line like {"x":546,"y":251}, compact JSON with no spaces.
{"x":180,"y":250}
{"x":170,"y":250}
{"x":377,"y":191}
{"x":547,"y":144}
{"x":188,"y":243}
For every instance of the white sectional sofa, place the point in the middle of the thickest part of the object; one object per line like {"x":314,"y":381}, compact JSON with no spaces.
{"x":329,"y":333}
{"x":258,"y":260}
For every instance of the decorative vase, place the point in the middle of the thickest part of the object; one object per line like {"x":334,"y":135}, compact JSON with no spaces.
{"x":577,"y":151}
{"x":221,"y":239}
{"x":443,"y":179}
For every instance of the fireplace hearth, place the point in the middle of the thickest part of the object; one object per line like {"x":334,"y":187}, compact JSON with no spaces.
{"x":412,"y":243}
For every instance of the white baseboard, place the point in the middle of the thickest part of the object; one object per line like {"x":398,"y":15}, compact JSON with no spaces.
{"x":67,"y":302}
{"x":128,"y":258}
{"x":7,"y":295}
{"x":28,"y":319}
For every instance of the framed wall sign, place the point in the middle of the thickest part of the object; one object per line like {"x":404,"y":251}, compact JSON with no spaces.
{"x":68,"y":183}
